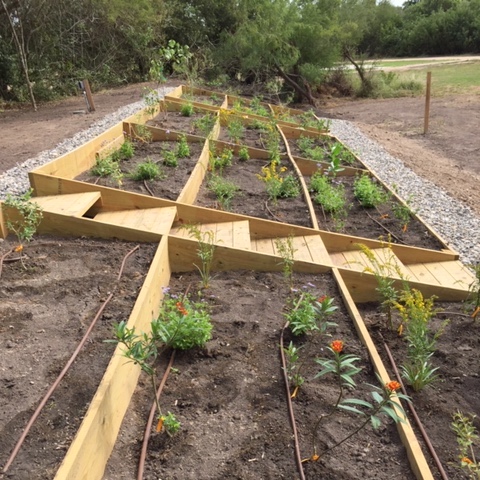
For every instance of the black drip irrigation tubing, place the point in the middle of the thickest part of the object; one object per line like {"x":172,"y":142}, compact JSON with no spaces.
{"x":298,"y":457}
{"x":65,"y":369}
{"x":430,"y":447}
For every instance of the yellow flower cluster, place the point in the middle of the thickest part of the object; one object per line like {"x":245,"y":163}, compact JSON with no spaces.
{"x":271,"y":173}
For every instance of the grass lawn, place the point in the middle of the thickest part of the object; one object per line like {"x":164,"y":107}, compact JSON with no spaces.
{"x":448,"y":79}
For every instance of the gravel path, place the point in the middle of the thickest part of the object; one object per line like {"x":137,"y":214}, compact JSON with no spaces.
{"x":454,"y":221}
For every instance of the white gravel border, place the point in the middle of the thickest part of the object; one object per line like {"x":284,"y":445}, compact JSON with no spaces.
{"x":453,"y":220}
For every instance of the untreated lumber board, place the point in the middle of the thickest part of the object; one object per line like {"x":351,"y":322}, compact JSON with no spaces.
{"x":192,"y":186}
{"x":183,"y":256}
{"x":414,"y":452}
{"x":362,"y":287}
{"x":156,"y":220}
{"x":75,"y":204}
{"x":309,"y":167}
{"x":88,"y":454}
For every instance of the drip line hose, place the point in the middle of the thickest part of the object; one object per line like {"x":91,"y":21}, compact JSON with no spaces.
{"x":298,"y":457}
{"x":430,"y":447}
{"x":65,"y":369}
{"x":148,"y":428}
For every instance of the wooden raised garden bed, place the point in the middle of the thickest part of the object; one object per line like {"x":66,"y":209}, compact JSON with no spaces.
{"x":232,"y":390}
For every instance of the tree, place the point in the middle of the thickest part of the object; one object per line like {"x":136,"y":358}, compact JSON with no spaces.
{"x":294,"y":40}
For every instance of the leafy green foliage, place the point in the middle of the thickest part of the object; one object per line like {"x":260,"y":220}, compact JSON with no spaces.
{"x":235,"y":130}
{"x":243,"y":154}
{"x":224,"y":190}
{"x":187,"y":110}
{"x":310,"y":313}
{"x":293,"y":367}
{"x":369,"y":193}
{"x":467,"y":437}
{"x":222,"y":160}
{"x":170,"y":158}
{"x":30,"y":214}
{"x":183,"y":149}
{"x":205,"y":124}
{"x":147,"y":170}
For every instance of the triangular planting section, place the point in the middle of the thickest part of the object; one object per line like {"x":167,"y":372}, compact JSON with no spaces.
{"x":76,"y":208}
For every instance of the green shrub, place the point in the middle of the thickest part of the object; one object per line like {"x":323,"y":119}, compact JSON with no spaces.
{"x":147,"y":171}
{"x":170,"y":158}
{"x":223,"y":190}
{"x":205,"y":124}
{"x":187,"y":110}
{"x":331,"y":197}
{"x":183,"y":149}
{"x":243,"y":154}
{"x":369,"y":193}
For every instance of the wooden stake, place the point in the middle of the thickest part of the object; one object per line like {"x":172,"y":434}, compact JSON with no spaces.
{"x":88,"y":93}
{"x":427,"y":103}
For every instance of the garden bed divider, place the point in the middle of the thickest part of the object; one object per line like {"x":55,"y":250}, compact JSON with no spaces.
{"x":414,"y":452}
{"x":87,"y":459}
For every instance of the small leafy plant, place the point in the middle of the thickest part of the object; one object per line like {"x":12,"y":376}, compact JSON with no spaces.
{"x":235,"y":130}
{"x":343,"y":367}
{"x":187,"y":110}
{"x":221,"y":161}
{"x":417,"y":313}
{"x":293,"y":367}
{"x":287,"y":252}
{"x":368,"y":192}
{"x":467,"y":436}
{"x":309,"y":120}
{"x":224,"y":190}
{"x":182,"y":324}
{"x":183,"y":149}
{"x":170,"y":158}
{"x":108,"y":167}
{"x":30,"y":215}
{"x":243,"y":154}
{"x":310,"y":313}
{"x":147,"y":170}
{"x":205,"y":252}
{"x":279,"y":186}
{"x":205,"y":124}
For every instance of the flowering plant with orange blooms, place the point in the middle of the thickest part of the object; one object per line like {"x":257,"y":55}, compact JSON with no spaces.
{"x":467,"y":435}
{"x":385,"y":399}
{"x":310,"y":313}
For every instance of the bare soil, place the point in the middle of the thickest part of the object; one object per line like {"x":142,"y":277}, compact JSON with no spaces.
{"x":229,"y":397}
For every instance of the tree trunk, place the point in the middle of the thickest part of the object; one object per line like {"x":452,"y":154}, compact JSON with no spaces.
{"x":303,"y":92}
{"x":19,"y":43}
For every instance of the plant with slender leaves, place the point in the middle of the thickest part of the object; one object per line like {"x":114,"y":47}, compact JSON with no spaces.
{"x":142,"y":133}
{"x":467,"y":437}
{"x":287,"y":251}
{"x":309,"y":313}
{"x":147,"y":170}
{"x":278,"y":185}
{"x":385,"y":272}
{"x":125,"y":152}
{"x":183,"y":149}
{"x":205,"y":124}
{"x":343,"y":367}
{"x":29,"y":216}
{"x":310,"y":120}
{"x":368,"y":192}
{"x":235,"y":130}
{"x":205,"y":251}
{"x":170,"y":158}
{"x":223,"y":189}
{"x":472,"y":304}
{"x":340,"y":153}
{"x":293,"y":367}
{"x":243,"y":154}
{"x":108,"y":167}
{"x":416,"y":314}
{"x":187,"y":110}
{"x":220,"y":161}
{"x":403,"y":211}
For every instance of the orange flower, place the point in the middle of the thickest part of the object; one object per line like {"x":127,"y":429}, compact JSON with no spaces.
{"x":466,"y":460}
{"x":181,"y":308}
{"x":315,"y":457}
{"x":393,"y":386}
{"x":322,"y":298}
{"x":160,"y":424}
{"x":337,"y":346}
{"x":19,"y":248}
{"x":404,"y":228}
{"x":475,"y":313}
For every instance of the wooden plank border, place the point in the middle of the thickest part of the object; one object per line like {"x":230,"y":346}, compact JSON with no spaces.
{"x":89,"y":452}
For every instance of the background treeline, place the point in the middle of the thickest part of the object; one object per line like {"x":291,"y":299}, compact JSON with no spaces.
{"x":50,"y":44}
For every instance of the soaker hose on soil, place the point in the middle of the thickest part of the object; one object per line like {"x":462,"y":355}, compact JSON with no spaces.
{"x":66,"y":368}
{"x":298,"y":456}
{"x":417,"y":418}
{"x":148,"y":428}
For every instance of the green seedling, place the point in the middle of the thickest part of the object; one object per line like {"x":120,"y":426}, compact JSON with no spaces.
{"x":147,"y":170}
{"x":368,"y":192}
{"x":223,"y":189}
